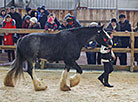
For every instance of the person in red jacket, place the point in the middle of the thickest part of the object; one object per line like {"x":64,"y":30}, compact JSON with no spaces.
{"x":8,"y":37}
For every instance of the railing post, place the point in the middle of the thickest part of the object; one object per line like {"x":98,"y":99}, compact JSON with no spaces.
{"x":132,"y":51}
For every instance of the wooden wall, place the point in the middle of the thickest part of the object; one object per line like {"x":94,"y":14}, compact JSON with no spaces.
{"x":89,"y":15}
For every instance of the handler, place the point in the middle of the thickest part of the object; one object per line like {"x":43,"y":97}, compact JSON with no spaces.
{"x":107,"y":59}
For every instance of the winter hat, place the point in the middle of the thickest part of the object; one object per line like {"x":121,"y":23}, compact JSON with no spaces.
{"x":3,"y":10}
{"x":122,"y":16}
{"x":27,"y":17}
{"x":42,"y":7}
{"x":28,"y":9}
{"x":113,"y":20}
{"x":12,"y":7}
{"x":33,"y":19}
{"x":8,"y":16}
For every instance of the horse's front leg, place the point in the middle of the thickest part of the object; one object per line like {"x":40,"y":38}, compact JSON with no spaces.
{"x":38,"y":85}
{"x":75,"y":79}
{"x":63,"y":84}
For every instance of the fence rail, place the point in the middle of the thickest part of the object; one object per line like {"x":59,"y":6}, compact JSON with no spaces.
{"x":131,"y":50}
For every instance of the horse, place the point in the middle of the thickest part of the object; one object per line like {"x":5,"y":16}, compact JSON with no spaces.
{"x":64,"y":46}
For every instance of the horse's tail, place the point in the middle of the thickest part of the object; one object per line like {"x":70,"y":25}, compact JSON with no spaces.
{"x":16,"y":66}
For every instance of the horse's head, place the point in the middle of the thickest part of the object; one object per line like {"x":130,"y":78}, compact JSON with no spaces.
{"x":102,"y":37}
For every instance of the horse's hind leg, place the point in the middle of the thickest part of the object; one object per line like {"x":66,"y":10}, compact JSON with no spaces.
{"x":75,"y":79}
{"x":38,"y":85}
{"x":63,"y":85}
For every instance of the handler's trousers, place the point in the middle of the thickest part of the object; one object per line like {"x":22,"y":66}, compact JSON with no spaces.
{"x":108,"y":68}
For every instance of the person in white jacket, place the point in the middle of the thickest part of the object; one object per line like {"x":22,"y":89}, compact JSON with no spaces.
{"x":107,"y":59}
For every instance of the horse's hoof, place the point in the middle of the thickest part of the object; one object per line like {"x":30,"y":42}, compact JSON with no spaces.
{"x":41,"y":88}
{"x":65,"y":88}
{"x":8,"y":82}
{"x":74,"y":80}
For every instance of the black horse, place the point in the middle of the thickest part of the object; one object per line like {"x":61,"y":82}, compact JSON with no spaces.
{"x":65,"y":45}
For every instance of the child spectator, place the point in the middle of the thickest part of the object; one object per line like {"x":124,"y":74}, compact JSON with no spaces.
{"x":8,"y":37}
{"x":107,"y":57}
{"x":34,"y":24}
{"x":72,"y":22}
{"x":51,"y":25}
{"x":26,"y":23}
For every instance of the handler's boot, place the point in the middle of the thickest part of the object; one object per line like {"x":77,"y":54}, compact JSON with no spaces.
{"x":106,"y":77}
{"x":100,"y":78}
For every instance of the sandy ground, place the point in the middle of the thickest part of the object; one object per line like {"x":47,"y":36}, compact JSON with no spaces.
{"x":89,"y":90}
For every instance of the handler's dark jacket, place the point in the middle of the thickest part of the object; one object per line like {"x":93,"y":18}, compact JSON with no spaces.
{"x":106,"y":57}
{"x":126,"y":26}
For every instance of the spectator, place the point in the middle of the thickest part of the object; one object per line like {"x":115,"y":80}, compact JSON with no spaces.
{"x":34,"y":13}
{"x":124,"y":27}
{"x":17,"y":17}
{"x":3,"y":13}
{"x":51,"y":25}
{"x":43,"y":18}
{"x":38,"y":13}
{"x":1,"y":35}
{"x":28,"y":13}
{"x":114,"y":27}
{"x":34,"y":24}
{"x":63,"y":25}
{"x":8,"y":38}
{"x":91,"y":56}
{"x":26,"y":23}
{"x":72,"y":22}
{"x":136,"y":43}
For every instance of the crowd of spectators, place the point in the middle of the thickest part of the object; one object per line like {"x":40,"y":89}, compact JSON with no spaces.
{"x":42,"y":19}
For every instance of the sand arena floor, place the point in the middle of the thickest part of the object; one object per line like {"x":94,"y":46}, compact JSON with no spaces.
{"x":89,"y":90}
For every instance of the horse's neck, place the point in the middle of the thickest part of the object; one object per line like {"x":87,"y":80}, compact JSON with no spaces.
{"x":85,"y":35}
